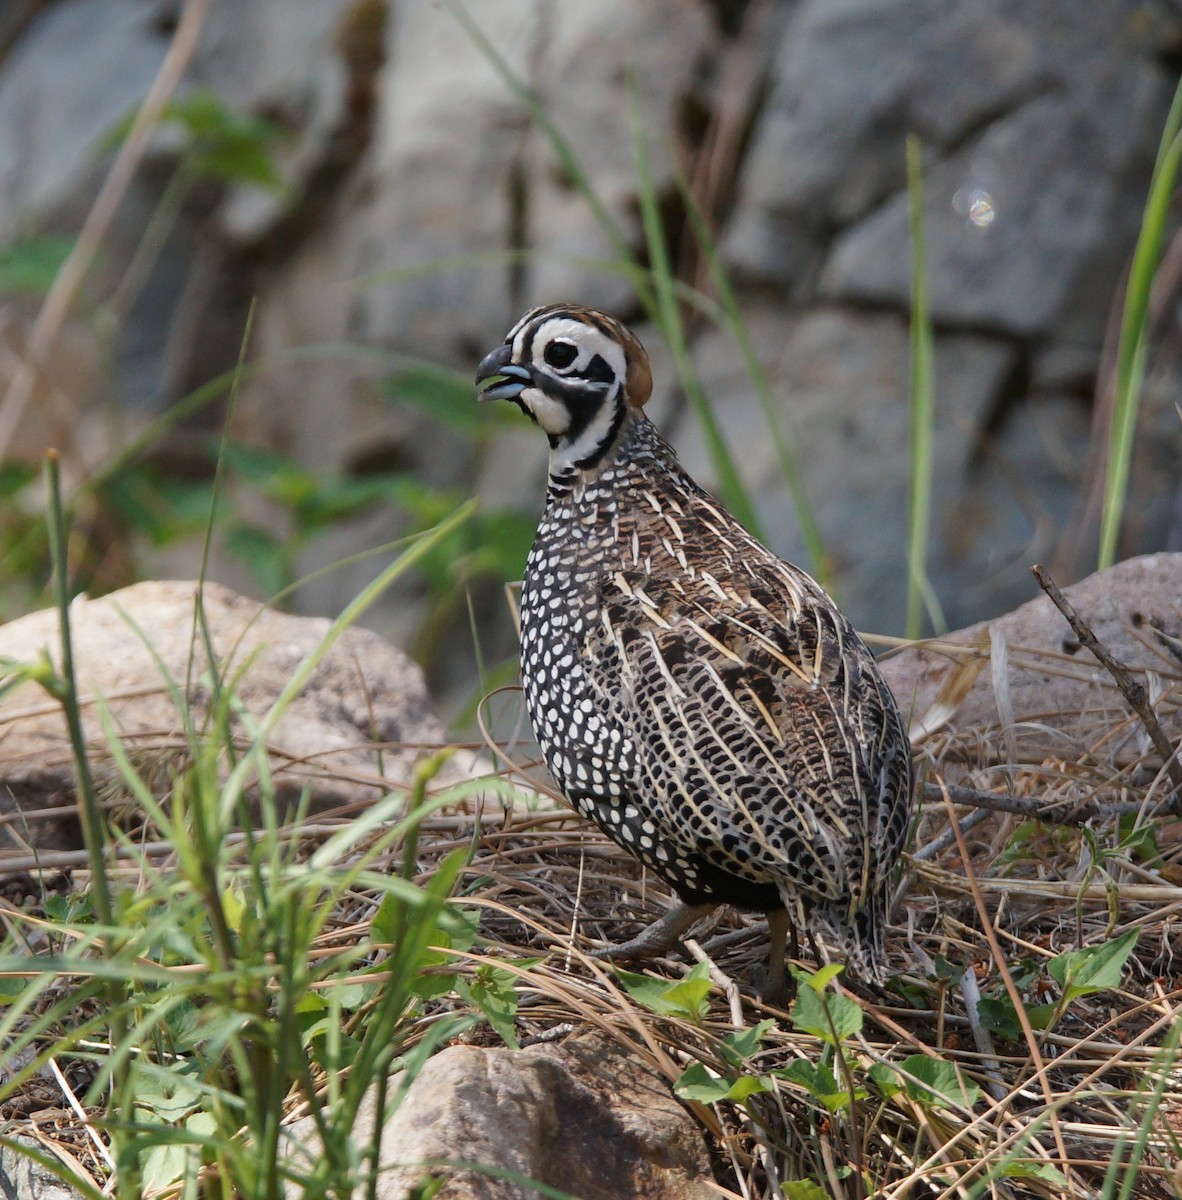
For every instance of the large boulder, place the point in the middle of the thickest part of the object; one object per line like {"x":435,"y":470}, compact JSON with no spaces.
{"x":356,"y":730}
{"x":584,"y":1117}
{"x":1052,"y":693}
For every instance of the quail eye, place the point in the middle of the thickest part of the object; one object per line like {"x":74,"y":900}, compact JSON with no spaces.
{"x":560,"y":354}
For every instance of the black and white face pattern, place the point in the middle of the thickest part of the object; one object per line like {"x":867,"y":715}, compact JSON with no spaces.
{"x":566,"y":370}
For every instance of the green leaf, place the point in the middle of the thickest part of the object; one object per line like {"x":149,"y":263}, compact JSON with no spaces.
{"x":262,"y":551}
{"x":738,"y":1047}
{"x":69,"y":910}
{"x":1030,"y":1169}
{"x":351,"y":996}
{"x":32,"y":264}
{"x":15,"y":477}
{"x":818,"y":1080}
{"x":1040,"y":1016}
{"x":11,"y":988}
{"x":804,"y":1189}
{"x":1139,"y":841}
{"x":169,"y":1095}
{"x":161,"y":508}
{"x":998,"y":1016}
{"x":885,"y":1078}
{"x":233,"y":906}
{"x":493,"y":992}
{"x":1094,"y":968}
{"x":946,"y":1084}
{"x":830,"y":1017}
{"x":696,"y":1083}
{"x":685,"y":998}
{"x":166,"y":1161}
{"x":948,"y":973}
{"x":222,"y":144}
{"x":818,"y":979}
{"x":448,"y":397}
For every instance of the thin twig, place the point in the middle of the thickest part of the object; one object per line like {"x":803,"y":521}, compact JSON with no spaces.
{"x":938,"y":845}
{"x":1056,"y":814}
{"x":1132,"y":691}
{"x":100,"y":1147}
{"x":1036,"y":1058}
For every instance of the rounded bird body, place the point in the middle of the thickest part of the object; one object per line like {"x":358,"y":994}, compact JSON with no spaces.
{"x":703,"y":701}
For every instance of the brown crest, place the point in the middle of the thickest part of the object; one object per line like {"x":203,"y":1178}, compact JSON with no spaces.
{"x":638,"y":383}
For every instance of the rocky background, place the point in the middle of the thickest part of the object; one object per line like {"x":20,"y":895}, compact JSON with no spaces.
{"x":421,"y":206}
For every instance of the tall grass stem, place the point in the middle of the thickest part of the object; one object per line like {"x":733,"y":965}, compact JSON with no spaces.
{"x":921,"y":595}
{"x":1131,"y":349}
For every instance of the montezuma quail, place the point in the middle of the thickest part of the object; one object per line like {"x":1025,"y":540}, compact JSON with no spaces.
{"x":701,"y":700}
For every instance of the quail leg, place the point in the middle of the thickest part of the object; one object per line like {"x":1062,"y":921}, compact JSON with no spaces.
{"x":775,"y":990}
{"x":659,"y":936}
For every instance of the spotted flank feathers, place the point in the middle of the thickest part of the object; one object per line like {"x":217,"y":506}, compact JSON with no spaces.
{"x":701,"y":700}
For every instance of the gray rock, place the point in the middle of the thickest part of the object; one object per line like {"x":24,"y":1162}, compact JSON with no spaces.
{"x":357,"y":729}
{"x":50,"y":119}
{"x":852,"y":78}
{"x":21,"y":1178}
{"x":1016,"y":224}
{"x":1017,"y":495}
{"x":460,"y":168}
{"x":1053,"y":683}
{"x":584,"y":1117}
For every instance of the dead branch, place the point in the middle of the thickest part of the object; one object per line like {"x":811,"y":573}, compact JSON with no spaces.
{"x":1132,"y":691}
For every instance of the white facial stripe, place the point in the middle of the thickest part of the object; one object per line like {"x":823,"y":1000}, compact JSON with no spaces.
{"x":552,"y":416}
{"x":586,"y":338}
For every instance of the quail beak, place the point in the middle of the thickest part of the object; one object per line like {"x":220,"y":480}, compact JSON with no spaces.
{"x":505,"y":380}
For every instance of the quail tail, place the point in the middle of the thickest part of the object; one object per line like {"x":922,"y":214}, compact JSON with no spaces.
{"x":860,"y":941}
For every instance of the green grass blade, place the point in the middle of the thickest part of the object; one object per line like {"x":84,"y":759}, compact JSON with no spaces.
{"x":1128,"y":1173}
{"x":920,"y":593}
{"x":1130,"y":355}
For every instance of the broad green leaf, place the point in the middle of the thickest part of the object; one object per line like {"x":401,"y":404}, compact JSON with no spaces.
{"x":946,"y":1083}
{"x":885,"y":1078}
{"x":947,"y":972}
{"x":804,"y":1189}
{"x":818,"y":1080}
{"x":449,"y":397}
{"x":1094,"y":968}
{"x":998,"y":1016}
{"x":696,"y":1083}
{"x":69,"y":910}
{"x":262,"y":551}
{"x":12,"y":986}
{"x":818,"y":979}
{"x":493,"y":992}
{"x":685,"y":998}
{"x":1040,"y":1016}
{"x":166,"y":1161}
{"x":350,"y":996}
{"x":15,"y":477}
{"x":809,"y":1015}
{"x":222,"y":144}
{"x":169,"y":1095}
{"x":233,"y":906}
{"x":738,"y":1047}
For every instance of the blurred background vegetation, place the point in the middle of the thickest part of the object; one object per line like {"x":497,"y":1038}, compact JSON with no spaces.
{"x":250,"y":251}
